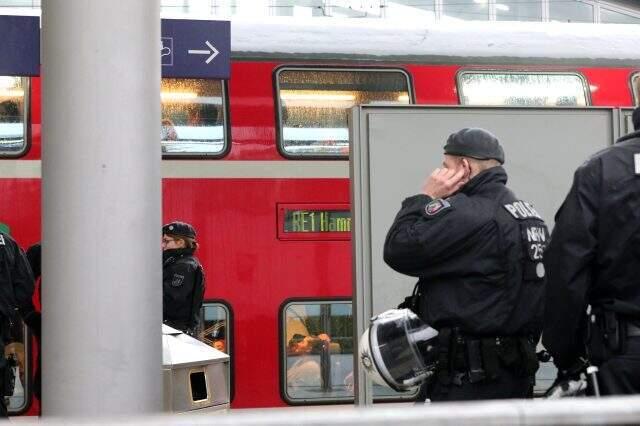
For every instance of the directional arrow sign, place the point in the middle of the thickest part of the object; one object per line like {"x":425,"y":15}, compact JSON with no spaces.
{"x":189,"y":47}
{"x":213,"y":52}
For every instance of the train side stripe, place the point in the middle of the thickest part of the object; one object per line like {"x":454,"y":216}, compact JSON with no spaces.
{"x":202,"y":169}
{"x":21,"y":169}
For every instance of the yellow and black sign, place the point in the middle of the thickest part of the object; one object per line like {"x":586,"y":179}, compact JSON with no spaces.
{"x":317,"y":221}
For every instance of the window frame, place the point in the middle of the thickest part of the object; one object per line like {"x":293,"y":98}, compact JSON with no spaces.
{"x":26,"y":147}
{"x":462,"y":72}
{"x":230,"y":340}
{"x":329,"y":68}
{"x":282,"y":356}
{"x":226,"y":123}
{"x":28,"y":368}
{"x":635,"y":88}
{"x":621,"y":10}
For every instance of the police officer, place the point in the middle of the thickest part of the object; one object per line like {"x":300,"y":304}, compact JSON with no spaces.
{"x":16,"y":290}
{"x":477,"y":250}
{"x":183,"y":280}
{"x":594,"y":259}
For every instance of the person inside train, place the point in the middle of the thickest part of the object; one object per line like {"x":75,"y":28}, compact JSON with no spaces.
{"x":303,"y":355}
{"x":183,"y":279}
{"x":168,"y":132}
{"x":300,"y":344}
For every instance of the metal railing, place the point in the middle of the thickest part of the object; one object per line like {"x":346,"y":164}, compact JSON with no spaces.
{"x":570,"y":411}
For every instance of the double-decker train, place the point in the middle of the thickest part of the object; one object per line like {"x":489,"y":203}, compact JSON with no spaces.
{"x":259,"y":165}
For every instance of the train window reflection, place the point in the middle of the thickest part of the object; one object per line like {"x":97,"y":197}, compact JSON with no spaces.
{"x":317,"y":351}
{"x":17,"y":352}
{"x":522,"y":89}
{"x":215,"y":330}
{"x":314,"y":106}
{"x":635,"y":83}
{"x":13,"y":108}
{"x":214,"y":326}
{"x":193,"y":117}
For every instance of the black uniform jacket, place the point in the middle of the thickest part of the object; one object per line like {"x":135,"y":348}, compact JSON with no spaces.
{"x":16,"y":281}
{"x":478,"y":254}
{"x":183,"y":285}
{"x":594,"y":254}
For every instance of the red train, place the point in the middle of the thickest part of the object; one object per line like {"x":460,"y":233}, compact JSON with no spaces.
{"x":259,"y":165}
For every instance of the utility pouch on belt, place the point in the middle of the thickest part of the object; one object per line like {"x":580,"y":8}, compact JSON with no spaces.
{"x":443,"y":368}
{"x":530,"y":358}
{"x":613,"y":331}
{"x":606,"y":335}
{"x":490,"y":357}
{"x":474,"y":360}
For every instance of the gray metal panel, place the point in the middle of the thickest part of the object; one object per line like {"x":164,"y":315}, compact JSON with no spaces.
{"x":397,"y":147}
{"x":363,"y":393}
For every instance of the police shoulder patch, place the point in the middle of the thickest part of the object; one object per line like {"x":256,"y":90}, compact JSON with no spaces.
{"x":436,"y":206}
{"x":177,"y":280}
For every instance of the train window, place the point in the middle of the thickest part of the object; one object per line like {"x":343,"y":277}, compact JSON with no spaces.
{"x":518,"y":10}
{"x":317,"y":352}
{"x":635,"y":83}
{"x":193,"y":117}
{"x":570,"y":11}
{"x":214,"y":326}
{"x":215,"y":330}
{"x":522,"y":89}
{"x":13,"y":113}
{"x":468,"y":10}
{"x":17,"y":352}
{"x":314,"y":106}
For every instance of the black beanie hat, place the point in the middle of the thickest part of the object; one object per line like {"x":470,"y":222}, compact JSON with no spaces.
{"x":181,"y":229}
{"x":475,"y":143}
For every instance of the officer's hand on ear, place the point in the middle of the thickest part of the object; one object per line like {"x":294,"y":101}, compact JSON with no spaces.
{"x":444,"y":182}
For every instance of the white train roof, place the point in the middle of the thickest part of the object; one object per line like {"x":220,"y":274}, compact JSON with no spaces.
{"x":412,"y":41}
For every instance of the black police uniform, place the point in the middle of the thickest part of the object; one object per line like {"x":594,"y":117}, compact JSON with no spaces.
{"x":478,"y":255}
{"x":183,"y":283}
{"x":594,"y":258}
{"x":34,"y":322}
{"x":16,"y":290}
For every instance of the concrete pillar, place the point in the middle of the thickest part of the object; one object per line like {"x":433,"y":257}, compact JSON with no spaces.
{"x":102,"y":274}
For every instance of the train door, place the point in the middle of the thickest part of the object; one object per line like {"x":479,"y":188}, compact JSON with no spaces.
{"x":395,"y":148}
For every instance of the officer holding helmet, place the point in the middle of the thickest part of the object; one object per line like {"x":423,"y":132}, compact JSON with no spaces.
{"x":183,"y":280}
{"x":478,"y":252}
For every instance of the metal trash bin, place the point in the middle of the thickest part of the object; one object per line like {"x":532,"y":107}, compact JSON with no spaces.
{"x":195,"y":375}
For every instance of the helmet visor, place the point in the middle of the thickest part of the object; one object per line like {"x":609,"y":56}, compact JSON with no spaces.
{"x":402,"y":347}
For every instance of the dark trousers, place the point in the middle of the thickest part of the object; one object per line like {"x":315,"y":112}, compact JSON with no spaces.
{"x":620,"y":375}
{"x":508,"y":385}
